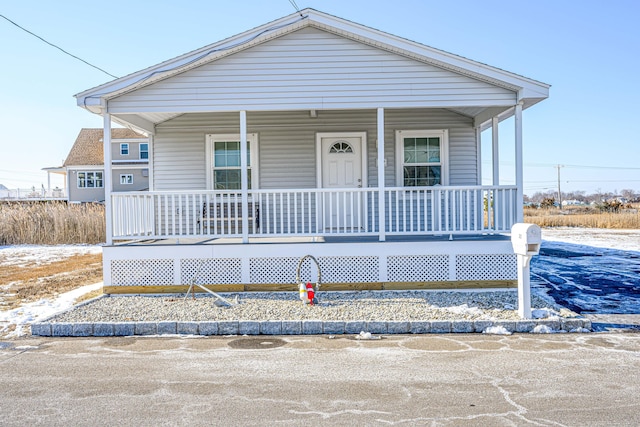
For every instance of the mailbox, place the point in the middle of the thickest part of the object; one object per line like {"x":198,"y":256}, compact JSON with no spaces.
{"x":526,"y":239}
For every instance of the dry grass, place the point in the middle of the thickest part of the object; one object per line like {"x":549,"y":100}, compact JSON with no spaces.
{"x":51,"y":223}
{"x":26,"y":283}
{"x":583,"y":217}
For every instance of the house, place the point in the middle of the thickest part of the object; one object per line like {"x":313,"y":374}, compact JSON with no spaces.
{"x":314,"y":135}
{"x":83,"y":168}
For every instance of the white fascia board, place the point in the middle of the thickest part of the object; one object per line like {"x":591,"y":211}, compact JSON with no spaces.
{"x":86,"y":167}
{"x":121,"y":140}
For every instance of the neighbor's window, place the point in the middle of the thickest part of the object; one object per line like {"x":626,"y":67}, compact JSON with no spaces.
{"x":126,"y":179}
{"x":124,"y":149}
{"x":224,"y":161}
{"x":421,"y":158}
{"x":90,"y":180}
{"x":144,"y":151}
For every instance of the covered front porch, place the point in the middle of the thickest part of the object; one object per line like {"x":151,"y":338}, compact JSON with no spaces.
{"x":315,"y":128}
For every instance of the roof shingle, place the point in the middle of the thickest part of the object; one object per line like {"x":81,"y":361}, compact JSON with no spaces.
{"x":88,"y":148}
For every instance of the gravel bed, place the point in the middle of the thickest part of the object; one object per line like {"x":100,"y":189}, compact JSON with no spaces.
{"x":336,"y":305}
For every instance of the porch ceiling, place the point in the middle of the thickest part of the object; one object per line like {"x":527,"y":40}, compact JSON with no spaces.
{"x":146,"y":121}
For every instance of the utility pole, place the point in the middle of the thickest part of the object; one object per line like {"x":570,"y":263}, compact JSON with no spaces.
{"x":559,"y":192}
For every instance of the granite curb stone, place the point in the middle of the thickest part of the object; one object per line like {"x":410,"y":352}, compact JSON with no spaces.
{"x":41,"y":329}
{"x":249,"y":328}
{"x":462,"y":326}
{"x":297,"y":327}
{"x":208,"y":328}
{"x":420,"y":327}
{"x":291,"y":327}
{"x":440,"y":327}
{"x":271,"y":327}
{"x":311,"y":327}
{"x":103,"y":329}
{"x":398,"y":327}
{"x":167,"y":328}
{"x":187,"y":328}
{"x":82,"y":329}
{"x":333,"y":327}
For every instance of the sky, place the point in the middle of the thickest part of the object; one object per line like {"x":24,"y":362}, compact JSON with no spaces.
{"x":587,"y":51}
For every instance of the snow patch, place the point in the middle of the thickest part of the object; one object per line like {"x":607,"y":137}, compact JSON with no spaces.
{"x":496,"y":330}
{"x":543,"y":329}
{"x":366,"y":336}
{"x":22,"y":316}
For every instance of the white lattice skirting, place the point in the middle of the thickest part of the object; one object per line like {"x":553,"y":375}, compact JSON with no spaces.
{"x":372,"y":262}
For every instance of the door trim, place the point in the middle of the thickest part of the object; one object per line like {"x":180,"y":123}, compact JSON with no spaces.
{"x":363,"y":151}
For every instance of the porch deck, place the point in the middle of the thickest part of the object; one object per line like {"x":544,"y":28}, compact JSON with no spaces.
{"x":293,"y":240}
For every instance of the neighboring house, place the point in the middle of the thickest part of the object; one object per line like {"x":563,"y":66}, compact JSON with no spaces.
{"x":84,"y":167}
{"x":360,"y":148}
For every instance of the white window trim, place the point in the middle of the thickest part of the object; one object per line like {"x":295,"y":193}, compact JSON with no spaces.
{"x":140,"y":151}
{"x":124,"y":180}
{"x":252,"y":139}
{"x":443,"y":134}
{"x":122,"y":145}
{"x":80,"y":171}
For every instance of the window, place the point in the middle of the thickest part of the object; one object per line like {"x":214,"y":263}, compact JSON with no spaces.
{"x":144,"y":151}
{"x":126,"y":179}
{"x":90,"y":180}
{"x":223,"y":160}
{"x":124,"y":149}
{"x":421,"y":158}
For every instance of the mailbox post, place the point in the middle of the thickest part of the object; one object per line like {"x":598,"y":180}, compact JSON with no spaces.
{"x":526,"y":240}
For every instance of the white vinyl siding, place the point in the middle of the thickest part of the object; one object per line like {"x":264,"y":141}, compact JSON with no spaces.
{"x":286,"y":145}
{"x":311,"y":69}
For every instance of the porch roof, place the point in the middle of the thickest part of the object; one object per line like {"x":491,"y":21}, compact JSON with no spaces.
{"x":525,"y":90}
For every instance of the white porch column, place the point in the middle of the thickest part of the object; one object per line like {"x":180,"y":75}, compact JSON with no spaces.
{"x":479,"y":154}
{"x":519,"y":165}
{"x":381,"y":202}
{"x":244,"y":177}
{"x":107,"y":177}
{"x":495,"y":157}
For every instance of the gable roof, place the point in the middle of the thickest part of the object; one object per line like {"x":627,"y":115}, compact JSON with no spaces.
{"x":88,"y":148}
{"x":528,"y":91}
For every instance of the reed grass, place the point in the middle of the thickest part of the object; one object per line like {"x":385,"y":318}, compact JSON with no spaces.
{"x":625,"y":219}
{"x":51,"y":223}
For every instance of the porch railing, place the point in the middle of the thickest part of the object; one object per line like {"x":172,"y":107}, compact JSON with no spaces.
{"x":314,"y":212}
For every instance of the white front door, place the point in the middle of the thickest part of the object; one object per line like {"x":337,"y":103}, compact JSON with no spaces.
{"x":341,"y":158}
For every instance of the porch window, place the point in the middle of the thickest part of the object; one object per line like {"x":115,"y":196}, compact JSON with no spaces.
{"x":124,"y":149}
{"x":126,"y":179}
{"x":223,"y":160}
{"x":90,"y":180}
{"x":421,"y":158}
{"x":144,"y":151}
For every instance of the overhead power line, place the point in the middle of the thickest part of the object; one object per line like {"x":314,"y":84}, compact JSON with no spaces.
{"x":57,"y":47}
{"x":293,"y":3}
